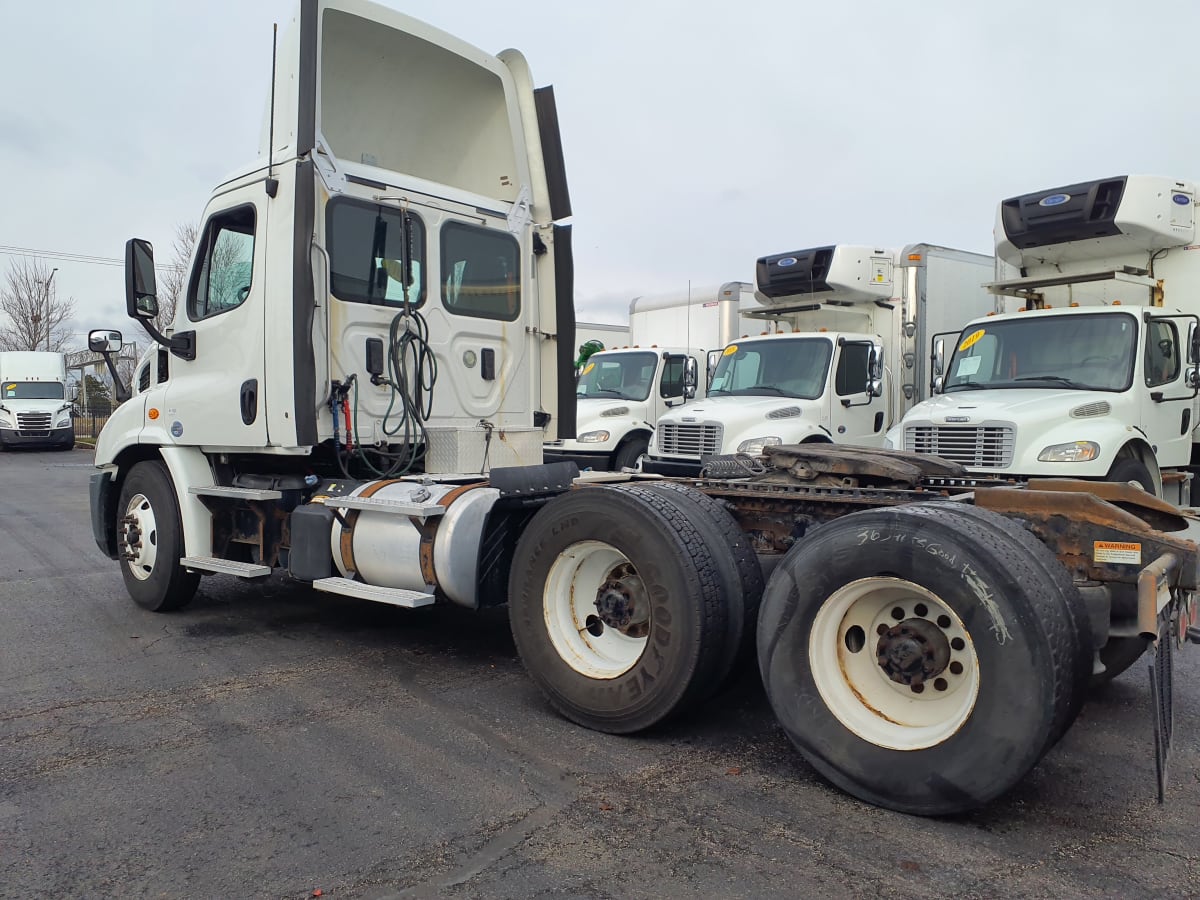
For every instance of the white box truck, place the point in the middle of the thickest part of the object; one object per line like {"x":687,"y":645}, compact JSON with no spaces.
{"x":621,"y":393}
{"x":364,"y":266}
{"x":845,"y":365}
{"x":1093,"y":375}
{"x":34,"y":410}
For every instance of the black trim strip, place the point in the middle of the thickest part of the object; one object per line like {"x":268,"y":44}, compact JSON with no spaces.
{"x":564,"y":302}
{"x":552,"y":156}
{"x":303,"y":309}
{"x":306,"y":124}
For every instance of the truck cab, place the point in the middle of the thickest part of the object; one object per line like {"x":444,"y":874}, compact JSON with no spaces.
{"x":620,"y":394}
{"x":1094,"y":374}
{"x":34,"y":410}
{"x":821,"y":377}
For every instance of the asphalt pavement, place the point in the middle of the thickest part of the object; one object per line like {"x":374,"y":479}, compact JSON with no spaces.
{"x":273,"y":741}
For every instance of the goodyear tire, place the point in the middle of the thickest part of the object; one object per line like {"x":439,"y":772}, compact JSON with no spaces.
{"x":922,"y":658}
{"x":150,"y":540}
{"x":744,"y":592}
{"x":617,"y":608}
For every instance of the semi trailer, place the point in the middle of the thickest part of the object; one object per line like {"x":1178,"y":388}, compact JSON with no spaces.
{"x":924,"y":636}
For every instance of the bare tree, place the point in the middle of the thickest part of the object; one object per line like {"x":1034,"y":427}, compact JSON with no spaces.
{"x":37,"y":318}
{"x":172,"y":284}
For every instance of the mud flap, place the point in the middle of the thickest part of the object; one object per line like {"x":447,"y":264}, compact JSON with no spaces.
{"x":1162,"y":697}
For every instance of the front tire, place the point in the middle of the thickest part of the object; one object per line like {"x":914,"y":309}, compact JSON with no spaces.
{"x":617,"y":607}
{"x":1130,"y":469}
{"x":919,"y":657}
{"x":150,"y":540}
{"x":629,"y":453}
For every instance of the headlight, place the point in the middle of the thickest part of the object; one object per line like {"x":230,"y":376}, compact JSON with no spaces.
{"x":63,"y":421}
{"x":754,"y":446}
{"x":1075,"y":451}
{"x":592,"y":437}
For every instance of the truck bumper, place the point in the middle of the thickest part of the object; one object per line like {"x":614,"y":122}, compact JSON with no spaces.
{"x":678,"y":468}
{"x":55,"y":438}
{"x":102,"y":492}
{"x":598,"y":462}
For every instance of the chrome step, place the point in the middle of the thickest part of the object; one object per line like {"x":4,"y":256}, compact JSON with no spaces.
{"x":377,"y":504}
{"x":225,"y":566}
{"x":236,"y":493}
{"x":393,"y":596}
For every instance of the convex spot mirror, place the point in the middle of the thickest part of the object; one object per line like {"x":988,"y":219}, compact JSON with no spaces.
{"x":104,"y":341}
{"x":875,"y":371}
{"x":141,"y":300}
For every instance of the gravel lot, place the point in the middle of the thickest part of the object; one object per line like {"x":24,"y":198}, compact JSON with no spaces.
{"x":273,"y":741}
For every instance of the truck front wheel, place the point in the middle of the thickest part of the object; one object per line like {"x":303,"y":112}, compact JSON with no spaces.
{"x":618,"y":607}
{"x":922,"y":659}
{"x":150,"y":540}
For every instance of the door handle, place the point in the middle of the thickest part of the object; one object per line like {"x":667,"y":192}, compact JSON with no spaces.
{"x":249,"y":401}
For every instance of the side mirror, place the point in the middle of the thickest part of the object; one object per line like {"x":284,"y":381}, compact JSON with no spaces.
{"x":939,"y":356}
{"x":141,"y":294}
{"x":691,"y":377}
{"x":1194,"y":345}
{"x":105,"y":341}
{"x":875,"y":371}
{"x":937,"y":385}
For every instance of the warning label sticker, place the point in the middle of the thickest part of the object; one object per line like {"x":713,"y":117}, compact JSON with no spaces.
{"x":1117,"y":552}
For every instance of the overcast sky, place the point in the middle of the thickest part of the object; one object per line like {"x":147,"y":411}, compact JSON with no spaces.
{"x":698,"y":135}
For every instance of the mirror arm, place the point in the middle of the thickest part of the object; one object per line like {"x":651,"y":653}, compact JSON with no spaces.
{"x":182,"y":344}
{"x":122,"y":390}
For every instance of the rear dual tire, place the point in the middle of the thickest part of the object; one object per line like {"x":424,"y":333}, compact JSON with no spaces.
{"x":923,"y":658}
{"x":620,"y":604}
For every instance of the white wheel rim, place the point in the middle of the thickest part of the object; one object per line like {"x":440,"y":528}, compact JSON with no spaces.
{"x":896,"y":617}
{"x":582,"y":574}
{"x":139,"y":537}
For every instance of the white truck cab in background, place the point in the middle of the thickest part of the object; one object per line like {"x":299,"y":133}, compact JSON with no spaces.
{"x":1092,"y":375}
{"x":844,"y":363}
{"x":34,"y":410}
{"x":621,"y":393}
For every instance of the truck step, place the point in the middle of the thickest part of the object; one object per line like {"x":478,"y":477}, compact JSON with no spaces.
{"x":225,"y":566}
{"x":393,"y":596}
{"x":236,"y":493}
{"x":395,"y":507}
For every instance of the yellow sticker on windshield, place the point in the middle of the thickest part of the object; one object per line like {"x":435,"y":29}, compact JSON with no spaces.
{"x":971,"y":339}
{"x":589,"y":368}
{"x":730,"y":350}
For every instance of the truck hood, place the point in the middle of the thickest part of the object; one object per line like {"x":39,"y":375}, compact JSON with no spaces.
{"x":590,"y":413}
{"x":1026,"y":404}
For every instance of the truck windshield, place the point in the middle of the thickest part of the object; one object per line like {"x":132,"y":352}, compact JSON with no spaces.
{"x":1073,"y":352}
{"x":781,"y":367}
{"x":625,"y":376}
{"x":32,"y":390}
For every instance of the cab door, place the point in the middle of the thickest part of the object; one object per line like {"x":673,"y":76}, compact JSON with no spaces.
{"x":217,"y":399}
{"x":857,"y":416}
{"x":1167,"y":409}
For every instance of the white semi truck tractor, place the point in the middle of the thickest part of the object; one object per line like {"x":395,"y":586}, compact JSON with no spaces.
{"x":354,"y":394}
{"x":34,"y":410}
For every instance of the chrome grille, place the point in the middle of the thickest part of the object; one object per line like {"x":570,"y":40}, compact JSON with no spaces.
{"x":984,"y":446}
{"x":33,"y":424}
{"x":689,"y":440}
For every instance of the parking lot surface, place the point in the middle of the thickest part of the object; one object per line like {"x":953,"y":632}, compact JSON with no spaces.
{"x":273,"y":741}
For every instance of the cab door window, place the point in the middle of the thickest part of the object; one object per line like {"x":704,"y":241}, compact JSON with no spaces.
{"x":1162,"y":353}
{"x":851,"y":376}
{"x":224,"y":265}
